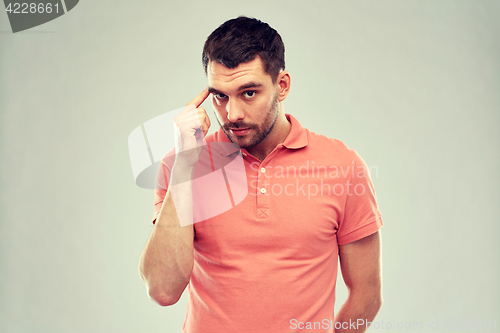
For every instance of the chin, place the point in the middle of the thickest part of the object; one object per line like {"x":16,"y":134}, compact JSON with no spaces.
{"x":242,"y":142}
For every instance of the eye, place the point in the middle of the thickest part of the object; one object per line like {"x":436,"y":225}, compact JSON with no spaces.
{"x":249,"y":94}
{"x":220,"y":96}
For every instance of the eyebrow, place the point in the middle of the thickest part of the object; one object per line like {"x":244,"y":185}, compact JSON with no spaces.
{"x":242,"y":87}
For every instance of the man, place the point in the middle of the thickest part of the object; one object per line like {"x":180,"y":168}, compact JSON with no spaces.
{"x":269,"y":264}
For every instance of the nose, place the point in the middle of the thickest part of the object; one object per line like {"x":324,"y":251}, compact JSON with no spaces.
{"x":234,"y":111}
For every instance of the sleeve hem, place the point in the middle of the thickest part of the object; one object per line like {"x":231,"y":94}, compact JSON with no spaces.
{"x":362,"y":232}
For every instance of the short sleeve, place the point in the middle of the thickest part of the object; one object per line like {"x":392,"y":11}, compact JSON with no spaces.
{"x":361,"y":213}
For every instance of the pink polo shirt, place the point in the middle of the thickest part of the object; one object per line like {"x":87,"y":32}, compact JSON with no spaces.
{"x":270,"y":262}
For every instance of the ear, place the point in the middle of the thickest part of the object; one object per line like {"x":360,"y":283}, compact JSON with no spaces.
{"x":283,"y":81}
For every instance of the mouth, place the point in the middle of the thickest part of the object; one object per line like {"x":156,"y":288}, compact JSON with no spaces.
{"x":239,"y":131}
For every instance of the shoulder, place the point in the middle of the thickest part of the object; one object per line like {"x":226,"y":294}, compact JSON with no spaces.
{"x":330,"y":146}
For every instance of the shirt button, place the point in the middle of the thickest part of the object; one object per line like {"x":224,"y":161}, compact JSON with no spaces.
{"x":262,"y":190}
{"x":263,"y":170}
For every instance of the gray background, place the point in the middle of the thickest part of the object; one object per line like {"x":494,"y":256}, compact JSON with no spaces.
{"x":413,"y":86}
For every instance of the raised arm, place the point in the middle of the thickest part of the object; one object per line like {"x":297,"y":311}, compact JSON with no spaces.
{"x":360,"y":262}
{"x":167,"y":259}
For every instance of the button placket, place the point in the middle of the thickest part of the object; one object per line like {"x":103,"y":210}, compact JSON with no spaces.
{"x":263,"y":194}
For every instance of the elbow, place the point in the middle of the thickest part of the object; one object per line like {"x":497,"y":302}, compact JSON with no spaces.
{"x":370,"y":299}
{"x":377,"y":302}
{"x":163,"y":298}
{"x":162,"y":290}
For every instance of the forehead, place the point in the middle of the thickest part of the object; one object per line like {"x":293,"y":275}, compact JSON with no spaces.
{"x":221,"y":77}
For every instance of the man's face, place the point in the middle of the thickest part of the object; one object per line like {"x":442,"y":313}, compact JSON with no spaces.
{"x":245,"y":100}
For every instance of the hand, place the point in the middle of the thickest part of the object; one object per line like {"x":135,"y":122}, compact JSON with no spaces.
{"x":191,"y":127}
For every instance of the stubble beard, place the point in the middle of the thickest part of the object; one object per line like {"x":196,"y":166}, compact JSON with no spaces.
{"x":261,"y":132}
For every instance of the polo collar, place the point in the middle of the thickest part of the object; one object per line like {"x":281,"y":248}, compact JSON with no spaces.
{"x":297,"y":138}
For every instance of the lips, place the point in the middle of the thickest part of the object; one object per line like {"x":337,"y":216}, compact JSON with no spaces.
{"x":240,"y":131}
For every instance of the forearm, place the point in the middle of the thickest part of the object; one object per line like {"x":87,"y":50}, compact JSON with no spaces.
{"x":358,"y":310}
{"x":167,"y":259}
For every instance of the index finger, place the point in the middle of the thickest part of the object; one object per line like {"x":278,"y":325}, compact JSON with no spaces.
{"x":200,"y":98}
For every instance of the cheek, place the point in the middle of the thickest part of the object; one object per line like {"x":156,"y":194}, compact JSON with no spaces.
{"x":220,"y":111}
{"x":265,"y":104}
{"x":270,"y":98}
{"x":218,"y":103}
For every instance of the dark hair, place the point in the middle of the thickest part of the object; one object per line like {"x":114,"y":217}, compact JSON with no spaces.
{"x":240,"y":40}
